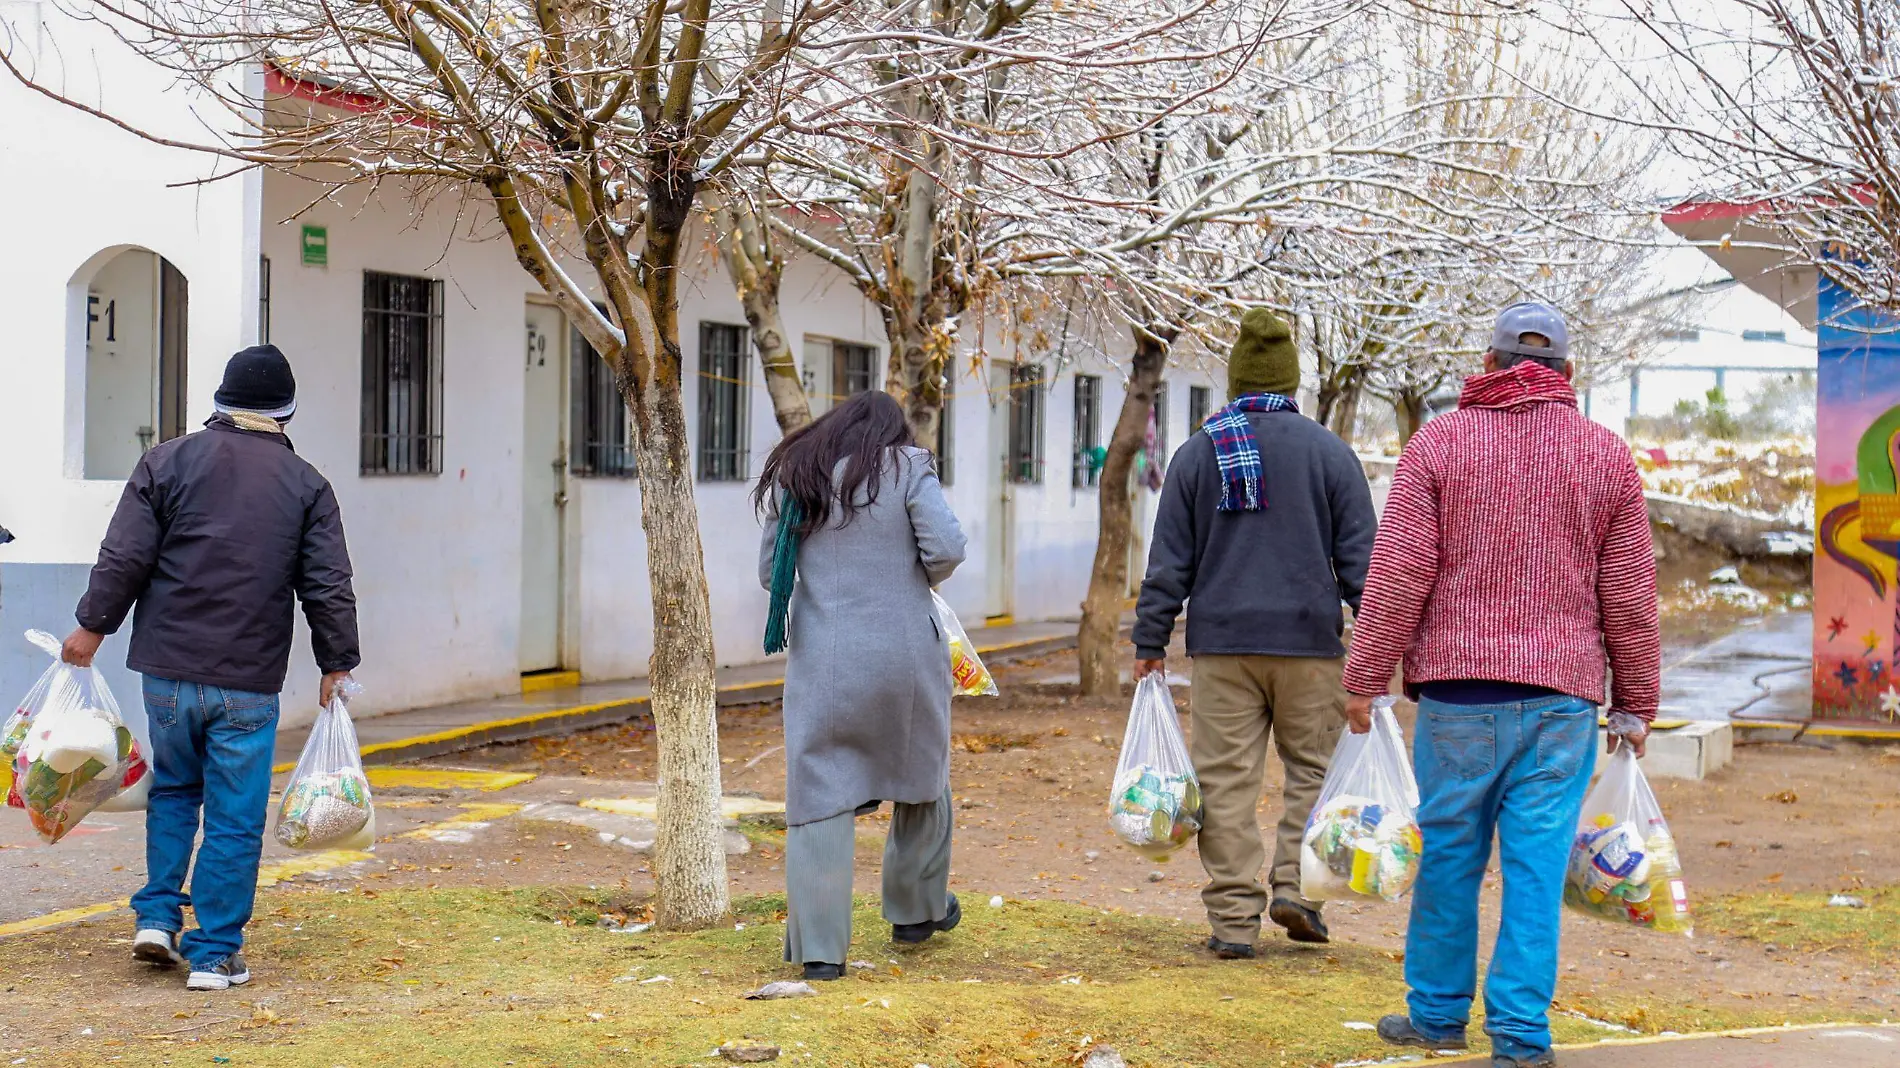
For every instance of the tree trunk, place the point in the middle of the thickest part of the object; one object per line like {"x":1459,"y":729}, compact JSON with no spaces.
{"x":1108,"y":579}
{"x":1410,"y":408}
{"x":1345,"y":411}
{"x":919,"y":355}
{"x":689,"y":860}
{"x":745,"y":246}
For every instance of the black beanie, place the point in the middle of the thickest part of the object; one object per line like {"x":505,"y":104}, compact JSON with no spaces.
{"x":258,"y":380}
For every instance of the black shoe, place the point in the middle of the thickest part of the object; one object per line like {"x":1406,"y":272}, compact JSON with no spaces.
{"x":1397,"y":1030}
{"x":912,"y":933}
{"x":1302,"y":924}
{"x":817,"y":971}
{"x":1229,"y":950}
{"x":1546,"y":1059}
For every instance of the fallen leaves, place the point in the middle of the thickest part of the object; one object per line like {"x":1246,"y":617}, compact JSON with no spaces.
{"x":1786,"y":797}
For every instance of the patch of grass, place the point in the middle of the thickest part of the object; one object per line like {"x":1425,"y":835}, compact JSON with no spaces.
{"x":488,"y":977}
{"x":1806,"y":922}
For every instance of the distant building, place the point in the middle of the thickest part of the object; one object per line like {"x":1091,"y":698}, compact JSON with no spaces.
{"x":1739,"y":342}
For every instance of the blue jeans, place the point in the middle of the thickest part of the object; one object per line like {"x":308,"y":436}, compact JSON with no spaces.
{"x":1519,"y":769}
{"x":211,"y":751}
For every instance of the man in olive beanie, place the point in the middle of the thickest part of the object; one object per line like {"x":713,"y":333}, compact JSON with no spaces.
{"x":1265,"y":527}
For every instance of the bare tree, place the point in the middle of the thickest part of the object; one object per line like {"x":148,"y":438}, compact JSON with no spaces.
{"x":591,"y":128}
{"x":1790,"y":108}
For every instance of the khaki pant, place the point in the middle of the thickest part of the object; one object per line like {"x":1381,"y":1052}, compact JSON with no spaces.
{"x":1237,"y":701}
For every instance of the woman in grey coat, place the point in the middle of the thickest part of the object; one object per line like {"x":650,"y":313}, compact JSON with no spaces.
{"x":857,"y":533}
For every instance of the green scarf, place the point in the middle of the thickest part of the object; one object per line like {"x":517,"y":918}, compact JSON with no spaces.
{"x":784,"y":573}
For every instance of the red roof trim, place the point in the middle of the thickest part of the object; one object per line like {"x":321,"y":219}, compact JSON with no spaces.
{"x":1693,"y":211}
{"x":276,"y":81}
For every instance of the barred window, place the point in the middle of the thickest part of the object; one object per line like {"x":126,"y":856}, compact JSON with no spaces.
{"x":1088,"y":431}
{"x":402,"y":375}
{"x":725,"y":446}
{"x":602,"y":437}
{"x":1198,"y":410}
{"x":1025,"y":424}
{"x":947,"y":432}
{"x":853,"y":368}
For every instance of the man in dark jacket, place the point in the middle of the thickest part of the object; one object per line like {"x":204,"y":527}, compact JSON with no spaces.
{"x":1265,"y":526}
{"x":216,"y":534}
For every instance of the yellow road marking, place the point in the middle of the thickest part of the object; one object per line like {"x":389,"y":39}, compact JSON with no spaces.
{"x":384,"y":776}
{"x":729,"y":807}
{"x":478,"y":812}
{"x":1889,"y":734}
{"x":268,"y":875}
{"x":61,"y":918}
{"x":1685,"y":1036}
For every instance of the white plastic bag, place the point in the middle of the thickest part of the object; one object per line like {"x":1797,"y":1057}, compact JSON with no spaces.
{"x":326,"y":803}
{"x":1156,"y":803}
{"x":70,"y":749}
{"x":1362,"y":838}
{"x":968,"y":676}
{"x":1623,"y":864}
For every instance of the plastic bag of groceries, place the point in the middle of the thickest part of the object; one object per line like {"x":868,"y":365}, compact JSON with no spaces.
{"x":1362,"y":839}
{"x":1156,"y":804}
{"x":968,"y":676}
{"x":326,"y":804}
{"x":70,"y":749}
{"x":1623,"y":864}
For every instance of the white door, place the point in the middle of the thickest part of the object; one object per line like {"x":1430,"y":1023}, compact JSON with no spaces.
{"x":543,"y":486}
{"x":1001,"y":521}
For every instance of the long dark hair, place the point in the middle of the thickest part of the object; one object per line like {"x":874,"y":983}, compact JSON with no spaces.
{"x":862,"y":431}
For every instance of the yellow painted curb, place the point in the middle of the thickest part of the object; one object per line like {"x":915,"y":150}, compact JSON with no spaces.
{"x":391,"y":777}
{"x":540,"y":682}
{"x":1890,"y":734}
{"x":543,"y":715}
{"x":729,"y":807}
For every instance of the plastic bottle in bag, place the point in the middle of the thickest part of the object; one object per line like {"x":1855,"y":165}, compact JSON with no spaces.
{"x":1623,"y":865}
{"x":69,"y":748}
{"x":968,"y":676}
{"x":326,"y":803}
{"x":1156,"y":804}
{"x":1362,"y":839}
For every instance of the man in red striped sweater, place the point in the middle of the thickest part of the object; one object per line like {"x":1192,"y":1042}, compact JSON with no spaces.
{"x":1512,"y":569}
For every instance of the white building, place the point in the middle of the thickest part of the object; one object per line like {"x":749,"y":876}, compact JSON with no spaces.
{"x":478,"y":454}
{"x":1739,"y":341}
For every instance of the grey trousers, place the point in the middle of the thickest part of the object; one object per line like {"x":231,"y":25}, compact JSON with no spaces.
{"x":818,"y":862}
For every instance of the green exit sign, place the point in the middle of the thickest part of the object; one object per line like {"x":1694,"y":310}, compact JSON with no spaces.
{"x":316,"y":246}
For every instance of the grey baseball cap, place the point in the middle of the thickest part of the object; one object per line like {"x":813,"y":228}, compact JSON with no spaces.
{"x":1530,"y":317}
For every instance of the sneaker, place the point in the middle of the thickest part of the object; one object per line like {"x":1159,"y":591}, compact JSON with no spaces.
{"x":156,"y":947}
{"x":1230,"y":950}
{"x":223,"y":975}
{"x":914,"y":933}
{"x":1302,"y":924}
{"x":817,"y":971}
{"x":1397,"y":1030}
{"x":1546,"y":1059}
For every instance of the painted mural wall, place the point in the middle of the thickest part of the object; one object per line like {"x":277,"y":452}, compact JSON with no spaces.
{"x":1857,"y":608}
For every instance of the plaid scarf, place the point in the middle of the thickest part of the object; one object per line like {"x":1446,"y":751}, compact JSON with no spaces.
{"x":1238,"y":454}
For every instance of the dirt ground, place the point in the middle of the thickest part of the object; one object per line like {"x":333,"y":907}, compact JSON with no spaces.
{"x":1031,"y":771}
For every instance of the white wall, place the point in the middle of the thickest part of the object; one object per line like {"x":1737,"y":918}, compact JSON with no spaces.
{"x":437,"y":557}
